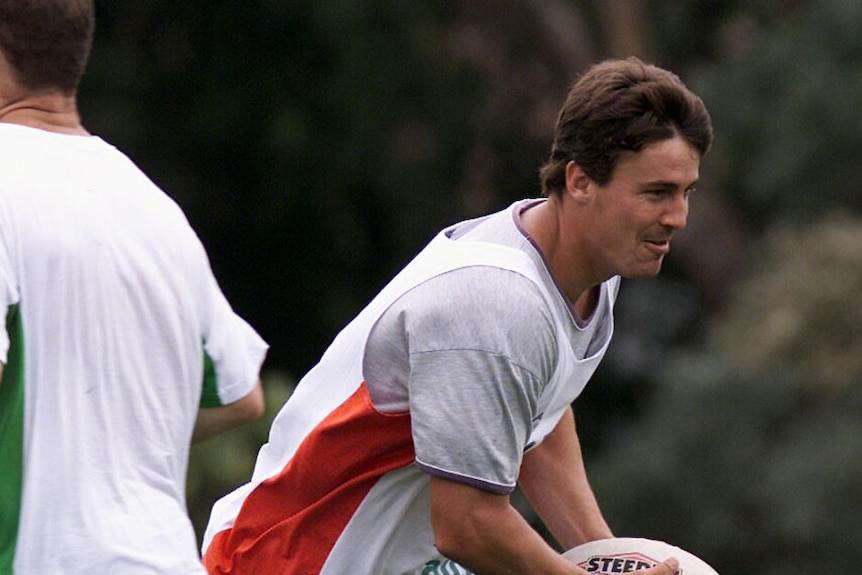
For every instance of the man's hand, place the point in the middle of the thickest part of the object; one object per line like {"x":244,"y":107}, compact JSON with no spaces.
{"x":668,"y":567}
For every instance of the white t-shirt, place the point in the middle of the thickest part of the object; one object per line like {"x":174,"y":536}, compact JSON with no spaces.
{"x":111,"y":313}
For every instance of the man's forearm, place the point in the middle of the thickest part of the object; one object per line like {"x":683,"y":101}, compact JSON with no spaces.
{"x":485,"y":534}
{"x":214,"y":420}
{"x":554,"y":480}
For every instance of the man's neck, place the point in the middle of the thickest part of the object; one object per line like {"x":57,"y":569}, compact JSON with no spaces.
{"x":51,"y":112}
{"x":544,"y":222}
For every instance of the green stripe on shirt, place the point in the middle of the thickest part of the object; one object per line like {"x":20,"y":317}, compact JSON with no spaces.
{"x":209,"y":392}
{"x":11,"y":439}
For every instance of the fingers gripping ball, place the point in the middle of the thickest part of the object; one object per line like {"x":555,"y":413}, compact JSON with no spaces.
{"x":628,"y":554}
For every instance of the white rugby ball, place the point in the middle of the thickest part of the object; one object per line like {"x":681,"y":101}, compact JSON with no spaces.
{"x":628,"y":554}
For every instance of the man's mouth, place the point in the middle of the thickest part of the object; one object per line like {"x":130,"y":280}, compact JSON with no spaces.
{"x":658,"y":246}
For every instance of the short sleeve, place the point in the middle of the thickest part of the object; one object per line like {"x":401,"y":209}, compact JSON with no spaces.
{"x":481,"y":349}
{"x":233,"y":351}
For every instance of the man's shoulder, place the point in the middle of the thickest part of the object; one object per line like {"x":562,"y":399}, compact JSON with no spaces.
{"x":477,"y":302}
{"x":481,"y":286}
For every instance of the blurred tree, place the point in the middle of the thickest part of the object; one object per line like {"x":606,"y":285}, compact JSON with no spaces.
{"x":784,"y":95}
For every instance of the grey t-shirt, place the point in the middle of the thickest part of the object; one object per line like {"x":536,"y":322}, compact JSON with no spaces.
{"x":472,"y":350}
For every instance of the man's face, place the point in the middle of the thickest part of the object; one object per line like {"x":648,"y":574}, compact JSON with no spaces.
{"x":634,"y":216}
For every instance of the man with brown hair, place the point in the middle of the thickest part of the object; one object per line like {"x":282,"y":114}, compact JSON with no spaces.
{"x":115,"y":329}
{"x":398,"y":452}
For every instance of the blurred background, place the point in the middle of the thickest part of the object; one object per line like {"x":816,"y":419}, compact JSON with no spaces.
{"x":316,"y":145}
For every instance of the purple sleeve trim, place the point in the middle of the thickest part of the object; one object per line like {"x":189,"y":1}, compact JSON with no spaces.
{"x":482,"y":484}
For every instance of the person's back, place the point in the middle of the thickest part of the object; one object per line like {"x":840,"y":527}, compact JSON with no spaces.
{"x":109,"y":297}
{"x":119,"y":347}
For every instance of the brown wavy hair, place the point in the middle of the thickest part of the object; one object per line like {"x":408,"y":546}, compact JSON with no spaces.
{"x":621,"y":105}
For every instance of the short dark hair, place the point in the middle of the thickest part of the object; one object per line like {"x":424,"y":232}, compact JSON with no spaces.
{"x":47,"y":42}
{"x":621,"y":105}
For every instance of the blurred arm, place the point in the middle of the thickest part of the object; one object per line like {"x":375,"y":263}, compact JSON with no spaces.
{"x":213,"y":420}
{"x":554,"y":480}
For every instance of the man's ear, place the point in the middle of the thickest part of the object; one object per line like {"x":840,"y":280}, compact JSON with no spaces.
{"x":578,"y":183}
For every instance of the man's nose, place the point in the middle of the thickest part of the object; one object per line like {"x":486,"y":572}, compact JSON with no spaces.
{"x":676,"y":214}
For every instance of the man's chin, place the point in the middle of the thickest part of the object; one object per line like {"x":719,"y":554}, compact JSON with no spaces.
{"x":643,"y":272}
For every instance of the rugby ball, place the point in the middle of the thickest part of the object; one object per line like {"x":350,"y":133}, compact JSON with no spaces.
{"x":628,"y":554}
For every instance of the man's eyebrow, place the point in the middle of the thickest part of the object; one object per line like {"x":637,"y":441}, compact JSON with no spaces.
{"x":667,"y":185}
